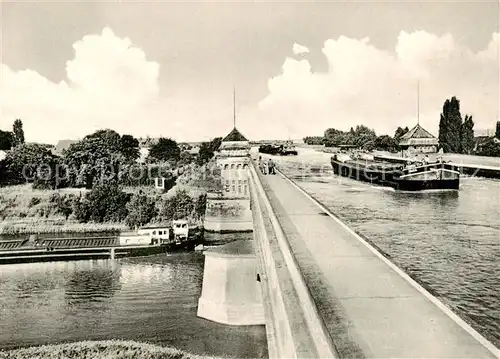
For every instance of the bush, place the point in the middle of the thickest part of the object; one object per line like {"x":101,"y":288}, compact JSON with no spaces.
{"x":201,"y":205}
{"x":104,"y":203}
{"x":141,"y":210}
{"x":179,"y":206}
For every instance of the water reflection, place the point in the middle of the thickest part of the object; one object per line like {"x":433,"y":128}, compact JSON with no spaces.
{"x":150,"y":299}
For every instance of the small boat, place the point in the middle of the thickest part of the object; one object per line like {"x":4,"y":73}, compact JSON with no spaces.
{"x":407,"y":175}
{"x":146,"y":236}
{"x":179,"y":236}
{"x":279,"y":149}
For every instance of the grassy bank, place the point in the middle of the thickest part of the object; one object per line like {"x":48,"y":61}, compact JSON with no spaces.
{"x":109,"y":349}
{"x":26,"y":210}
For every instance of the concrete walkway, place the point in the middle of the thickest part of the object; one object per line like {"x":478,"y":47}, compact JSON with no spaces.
{"x":370,"y":308}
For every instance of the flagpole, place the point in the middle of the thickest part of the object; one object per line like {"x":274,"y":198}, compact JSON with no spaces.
{"x":234,"y":107}
{"x":418,"y":102}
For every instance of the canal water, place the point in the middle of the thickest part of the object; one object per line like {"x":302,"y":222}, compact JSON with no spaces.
{"x":151,"y":299}
{"x":448,"y":242}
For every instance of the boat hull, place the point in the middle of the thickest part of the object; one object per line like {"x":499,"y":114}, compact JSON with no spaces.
{"x":433,"y":177}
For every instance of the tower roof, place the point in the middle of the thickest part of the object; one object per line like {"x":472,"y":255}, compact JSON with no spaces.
{"x":418,"y":136}
{"x":234,"y":136}
{"x":417,"y":132}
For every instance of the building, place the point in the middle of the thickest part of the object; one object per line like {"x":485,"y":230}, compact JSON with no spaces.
{"x":418,"y":140}
{"x":233,"y":160}
{"x":229,"y":211}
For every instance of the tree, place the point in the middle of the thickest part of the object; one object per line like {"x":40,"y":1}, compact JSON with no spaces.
{"x":497,"y":132}
{"x":362,"y":136}
{"x":98,"y":156}
{"x":18,"y":133}
{"x":215,"y":143}
{"x":490,"y":148}
{"x":104,"y":203}
{"x":386,"y":143}
{"x":314,"y":140}
{"x":165,"y":149}
{"x":467,"y":136}
{"x":400,"y":132}
{"x":205,"y":154}
{"x":130,"y":147}
{"x":450,"y":126}
{"x":141,"y":210}
{"x":6,"y":140}
{"x":179,"y":206}
{"x":32,"y":163}
{"x":207,"y":150}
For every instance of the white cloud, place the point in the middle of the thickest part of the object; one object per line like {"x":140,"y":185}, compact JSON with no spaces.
{"x":299,"y":49}
{"x":110,"y":84}
{"x":367,"y":85}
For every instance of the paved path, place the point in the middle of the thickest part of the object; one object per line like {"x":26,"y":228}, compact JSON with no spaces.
{"x":371,"y":309}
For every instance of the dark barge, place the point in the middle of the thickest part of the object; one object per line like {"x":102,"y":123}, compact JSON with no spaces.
{"x":406,"y":176}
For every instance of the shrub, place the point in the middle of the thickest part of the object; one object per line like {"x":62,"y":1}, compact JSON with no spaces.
{"x":141,"y":210}
{"x":104,"y":203}
{"x":179,"y":206}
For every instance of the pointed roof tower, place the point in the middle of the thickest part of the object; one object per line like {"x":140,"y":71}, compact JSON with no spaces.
{"x":418,"y":136}
{"x":234,"y":136}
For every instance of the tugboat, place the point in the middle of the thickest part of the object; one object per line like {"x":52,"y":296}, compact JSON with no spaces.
{"x":180,"y":236}
{"x":407,"y":175}
{"x":184,"y":236}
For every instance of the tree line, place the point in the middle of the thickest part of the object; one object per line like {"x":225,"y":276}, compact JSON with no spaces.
{"x":456,"y":135}
{"x":361,"y":136}
{"x":104,"y":162}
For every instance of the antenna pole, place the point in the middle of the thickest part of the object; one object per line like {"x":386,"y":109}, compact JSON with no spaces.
{"x":418,"y":102}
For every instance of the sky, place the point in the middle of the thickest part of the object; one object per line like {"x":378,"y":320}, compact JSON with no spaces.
{"x":161,"y":68}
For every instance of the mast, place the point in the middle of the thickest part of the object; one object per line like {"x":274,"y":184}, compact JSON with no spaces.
{"x":234,"y":107}
{"x":418,"y":102}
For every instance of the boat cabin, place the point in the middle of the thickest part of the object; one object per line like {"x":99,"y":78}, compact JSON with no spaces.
{"x":146,"y":236}
{"x":180,"y":228}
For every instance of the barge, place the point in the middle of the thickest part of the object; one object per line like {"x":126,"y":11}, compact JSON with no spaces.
{"x":405,"y":175}
{"x":144,"y":241}
{"x":279,"y":149}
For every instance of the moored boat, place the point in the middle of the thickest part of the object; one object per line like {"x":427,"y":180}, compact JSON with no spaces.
{"x":405,"y":176}
{"x":279,"y":149}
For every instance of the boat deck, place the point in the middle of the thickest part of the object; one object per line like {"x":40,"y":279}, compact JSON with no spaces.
{"x":375,"y":165}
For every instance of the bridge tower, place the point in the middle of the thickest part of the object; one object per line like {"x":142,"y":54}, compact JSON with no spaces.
{"x":231,"y":293}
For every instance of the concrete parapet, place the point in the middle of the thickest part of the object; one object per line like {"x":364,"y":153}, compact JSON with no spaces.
{"x":293,"y":325}
{"x":231,"y":293}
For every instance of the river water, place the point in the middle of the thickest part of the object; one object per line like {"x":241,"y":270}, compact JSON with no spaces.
{"x":448,"y":242}
{"x":151,"y":299}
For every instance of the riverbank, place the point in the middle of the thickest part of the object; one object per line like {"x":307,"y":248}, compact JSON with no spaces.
{"x":109,"y":349}
{"x":24,"y":210}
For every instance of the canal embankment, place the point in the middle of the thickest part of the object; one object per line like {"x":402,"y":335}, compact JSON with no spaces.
{"x":371,"y":308}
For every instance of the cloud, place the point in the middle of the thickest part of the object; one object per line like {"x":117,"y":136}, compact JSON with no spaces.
{"x":378,"y":88}
{"x":299,"y":49}
{"x":110,"y":84}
